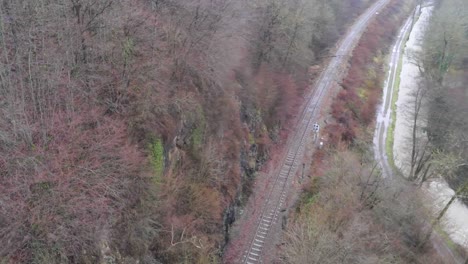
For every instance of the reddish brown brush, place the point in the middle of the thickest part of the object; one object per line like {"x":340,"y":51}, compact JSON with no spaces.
{"x":354,"y":108}
{"x":76,"y":177}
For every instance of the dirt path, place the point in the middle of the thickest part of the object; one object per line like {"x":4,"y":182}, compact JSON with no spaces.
{"x":255,"y":235}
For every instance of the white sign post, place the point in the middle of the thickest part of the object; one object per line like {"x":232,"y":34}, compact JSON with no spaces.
{"x":316,"y":129}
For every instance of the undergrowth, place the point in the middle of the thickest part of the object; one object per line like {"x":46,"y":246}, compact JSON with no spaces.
{"x":157,"y":158}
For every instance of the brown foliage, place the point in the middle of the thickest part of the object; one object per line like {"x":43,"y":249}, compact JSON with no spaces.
{"x":67,"y":189}
{"x":355,"y":106}
{"x":86,"y":85}
{"x":276,"y":96}
{"x":348,"y":215}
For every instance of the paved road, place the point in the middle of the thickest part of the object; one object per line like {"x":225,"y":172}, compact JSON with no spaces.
{"x":258,"y":240}
{"x":384,"y":113}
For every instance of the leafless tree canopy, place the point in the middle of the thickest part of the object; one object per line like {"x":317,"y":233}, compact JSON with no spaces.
{"x":128,"y":128}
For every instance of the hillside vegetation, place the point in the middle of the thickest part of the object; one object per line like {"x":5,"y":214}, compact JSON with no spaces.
{"x":350,"y":213}
{"x":130,"y":130}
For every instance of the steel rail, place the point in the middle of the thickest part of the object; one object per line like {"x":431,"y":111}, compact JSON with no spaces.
{"x":277,"y":195}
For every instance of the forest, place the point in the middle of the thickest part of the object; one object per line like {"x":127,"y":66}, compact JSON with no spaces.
{"x":130,"y":131}
{"x":440,"y":101}
{"x":348,"y":213}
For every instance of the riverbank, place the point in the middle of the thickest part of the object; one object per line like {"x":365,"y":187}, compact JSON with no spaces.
{"x":408,"y":81}
{"x":454,"y":223}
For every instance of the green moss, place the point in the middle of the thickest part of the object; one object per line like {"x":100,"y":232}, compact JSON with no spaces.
{"x":199,"y":132}
{"x":362,"y":93}
{"x":251,"y":139}
{"x":311,"y":195}
{"x":310,"y":200}
{"x":197,"y":137}
{"x":391,"y":129}
{"x":157,"y":158}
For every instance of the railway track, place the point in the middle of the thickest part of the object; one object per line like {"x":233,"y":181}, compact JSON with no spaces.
{"x":270,"y":215}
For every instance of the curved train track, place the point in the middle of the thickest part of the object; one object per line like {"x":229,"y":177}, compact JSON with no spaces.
{"x":269,"y":217}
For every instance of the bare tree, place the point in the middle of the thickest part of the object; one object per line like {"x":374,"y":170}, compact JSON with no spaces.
{"x":461,"y":191}
{"x":420,"y":147}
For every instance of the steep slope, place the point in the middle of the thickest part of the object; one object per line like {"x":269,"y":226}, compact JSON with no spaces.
{"x":131,"y":130}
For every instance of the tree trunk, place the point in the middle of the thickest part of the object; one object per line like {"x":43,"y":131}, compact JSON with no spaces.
{"x":414,"y":139}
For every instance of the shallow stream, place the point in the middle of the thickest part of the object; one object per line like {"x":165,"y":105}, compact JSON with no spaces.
{"x":455,"y":221}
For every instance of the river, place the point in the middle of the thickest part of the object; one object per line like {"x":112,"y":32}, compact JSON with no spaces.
{"x":455,"y":221}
